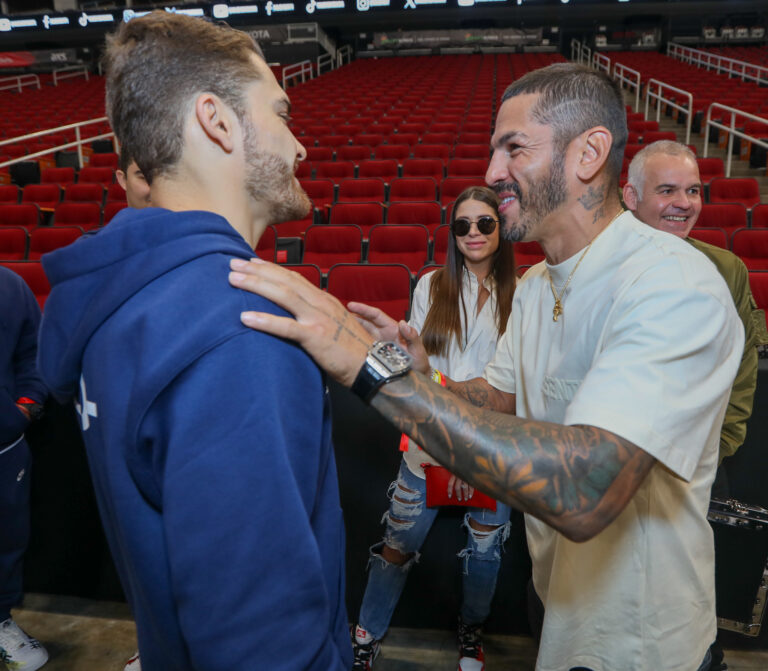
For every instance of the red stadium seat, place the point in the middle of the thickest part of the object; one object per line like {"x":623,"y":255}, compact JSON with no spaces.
{"x":32,"y":273}
{"x":14,"y":241}
{"x":364,"y":215}
{"x":335,"y":170}
{"x":387,"y":287}
{"x":105,"y":176}
{"x":386,"y":169}
{"x":727,"y":216}
{"x":46,"y":196}
{"x":743,"y":190}
{"x":399,"y":152}
{"x":110,"y":161}
{"x":79,"y":193}
{"x":353,"y":152}
{"x":709,"y":168}
{"x":327,"y":245}
{"x":309,"y":271}
{"x":369,"y":190}
{"x":294,"y":228}
{"x":85,"y":215}
{"x":9,"y":194}
{"x":480,"y":151}
{"x":429,"y":214}
{"x":319,"y":154}
{"x":24,"y":214}
{"x":266,"y":247}
{"x":760,"y":216}
{"x":320,"y":192}
{"x":451,"y":187}
{"x":413,"y":189}
{"x":751,"y":246}
{"x":656,"y":135}
{"x":60,"y":176}
{"x":440,"y":151}
{"x":48,"y":238}
{"x":111,"y":208}
{"x":424,"y":167}
{"x":467,"y":167}
{"x":440,"y":251}
{"x":392,"y":243}
{"x":712,"y":236}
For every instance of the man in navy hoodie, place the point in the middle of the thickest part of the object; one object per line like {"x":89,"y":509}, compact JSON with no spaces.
{"x":209,"y":444}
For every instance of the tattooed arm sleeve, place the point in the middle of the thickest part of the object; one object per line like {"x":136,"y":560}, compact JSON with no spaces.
{"x":575,"y":478}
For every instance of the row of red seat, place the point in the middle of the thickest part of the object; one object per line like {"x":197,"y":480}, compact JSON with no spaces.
{"x":87,"y":215}
{"x":18,"y":244}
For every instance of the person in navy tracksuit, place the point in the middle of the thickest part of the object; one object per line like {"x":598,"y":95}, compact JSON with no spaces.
{"x":21,"y":400}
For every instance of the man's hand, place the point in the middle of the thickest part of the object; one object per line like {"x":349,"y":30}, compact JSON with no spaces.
{"x":382,"y":327}
{"x":24,"y":409}
{"x":329,"y":334}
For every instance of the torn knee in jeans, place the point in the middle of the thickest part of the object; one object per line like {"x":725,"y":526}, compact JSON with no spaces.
{"x":391,"y":555}
{"x":406,"y":503}
{"x":485,"y":539}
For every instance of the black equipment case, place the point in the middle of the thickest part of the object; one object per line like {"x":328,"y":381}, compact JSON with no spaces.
{"x":741,"y":564}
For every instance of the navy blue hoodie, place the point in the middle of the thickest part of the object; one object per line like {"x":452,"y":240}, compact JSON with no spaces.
{"x":19,"y":321}
{"x":209,"y":445}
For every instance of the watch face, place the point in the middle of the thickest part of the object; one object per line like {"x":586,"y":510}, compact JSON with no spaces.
{"x":394,"y":357}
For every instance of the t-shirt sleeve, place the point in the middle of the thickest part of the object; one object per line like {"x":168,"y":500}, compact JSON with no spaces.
{"x":420,"y":303}
{"x":500,"y":371}
{"x":666,"y":360}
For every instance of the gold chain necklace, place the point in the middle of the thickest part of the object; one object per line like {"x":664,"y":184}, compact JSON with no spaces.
{"x":557,"y":310}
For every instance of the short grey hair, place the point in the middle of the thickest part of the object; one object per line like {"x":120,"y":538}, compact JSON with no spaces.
{"x":636,"y":172}
{"x":573,"y":99}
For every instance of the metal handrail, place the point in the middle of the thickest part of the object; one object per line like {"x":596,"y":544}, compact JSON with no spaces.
{"x":731,"y":130}
{"x":688,"y":111}
{"x":296,"y":70}
{"x":342,"y":53}
{"x":69,"y":73}
{"x":28,"y":79}
{"x":79,"y":141}
{"x":620,"y":72}
{"x":325,"y":60}
{"x":575,"y":50}
{"x":731,"y":66}
{"x":601,"y":62}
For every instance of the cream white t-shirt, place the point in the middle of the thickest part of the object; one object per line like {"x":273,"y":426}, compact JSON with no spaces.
{"x":465,"y":360}
{"x":647,"y":347}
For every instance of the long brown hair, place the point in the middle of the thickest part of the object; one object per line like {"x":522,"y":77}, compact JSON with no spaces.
{"x":444,"y":319}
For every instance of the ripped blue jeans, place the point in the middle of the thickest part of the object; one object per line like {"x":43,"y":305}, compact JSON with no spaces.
{"x":408,"y":521}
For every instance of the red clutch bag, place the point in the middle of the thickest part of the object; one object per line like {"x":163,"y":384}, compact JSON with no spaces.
{"x":437,"y":491}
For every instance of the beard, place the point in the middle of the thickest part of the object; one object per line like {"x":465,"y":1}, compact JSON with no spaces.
{"x":270,"y":180}
{"x":544,"y":196}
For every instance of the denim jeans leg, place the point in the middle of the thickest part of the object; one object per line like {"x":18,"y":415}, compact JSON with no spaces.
{"x":482,"y":559}
{"x":408,"y":521}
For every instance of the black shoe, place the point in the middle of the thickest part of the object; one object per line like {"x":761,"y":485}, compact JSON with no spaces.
{"x":364,"y":653}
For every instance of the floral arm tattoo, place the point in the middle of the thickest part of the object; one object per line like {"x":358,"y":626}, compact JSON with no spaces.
{"x":575,"y":478}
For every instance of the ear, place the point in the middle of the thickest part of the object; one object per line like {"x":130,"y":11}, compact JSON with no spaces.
{"x":216,"y":120}
{"x":630,"y":196}
{"x":121,"y":179}
{"x":593,"y":149}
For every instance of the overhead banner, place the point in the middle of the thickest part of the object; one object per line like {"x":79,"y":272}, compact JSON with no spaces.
{"x":23,"y":59}
{"x":487,"y":37}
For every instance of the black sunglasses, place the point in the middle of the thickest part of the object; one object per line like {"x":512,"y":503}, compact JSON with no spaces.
{"x":460,"y":227}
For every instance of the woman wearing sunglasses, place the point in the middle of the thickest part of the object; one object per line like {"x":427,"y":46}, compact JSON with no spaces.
{"x":460,"y":311}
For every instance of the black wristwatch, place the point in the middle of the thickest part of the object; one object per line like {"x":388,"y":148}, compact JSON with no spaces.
{"x":385,"y":362}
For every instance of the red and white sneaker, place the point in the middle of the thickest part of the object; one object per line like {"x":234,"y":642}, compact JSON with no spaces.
{"x":365,"y":649}
{"x":471,"y":655}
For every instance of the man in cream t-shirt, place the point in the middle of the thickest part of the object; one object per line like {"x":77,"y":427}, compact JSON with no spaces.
{"x":600,"y":364}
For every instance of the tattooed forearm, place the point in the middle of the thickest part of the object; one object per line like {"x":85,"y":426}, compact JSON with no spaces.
{"x":577,"y":479}
{"x":482,"y":395}
{"x":593,"y":197}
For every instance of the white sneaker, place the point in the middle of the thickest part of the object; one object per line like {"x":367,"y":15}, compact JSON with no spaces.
{"x":19,"y":651}
{"x":134,"y":663}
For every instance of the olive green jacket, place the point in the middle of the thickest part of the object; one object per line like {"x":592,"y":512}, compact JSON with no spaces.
{"x":739,"y":409}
